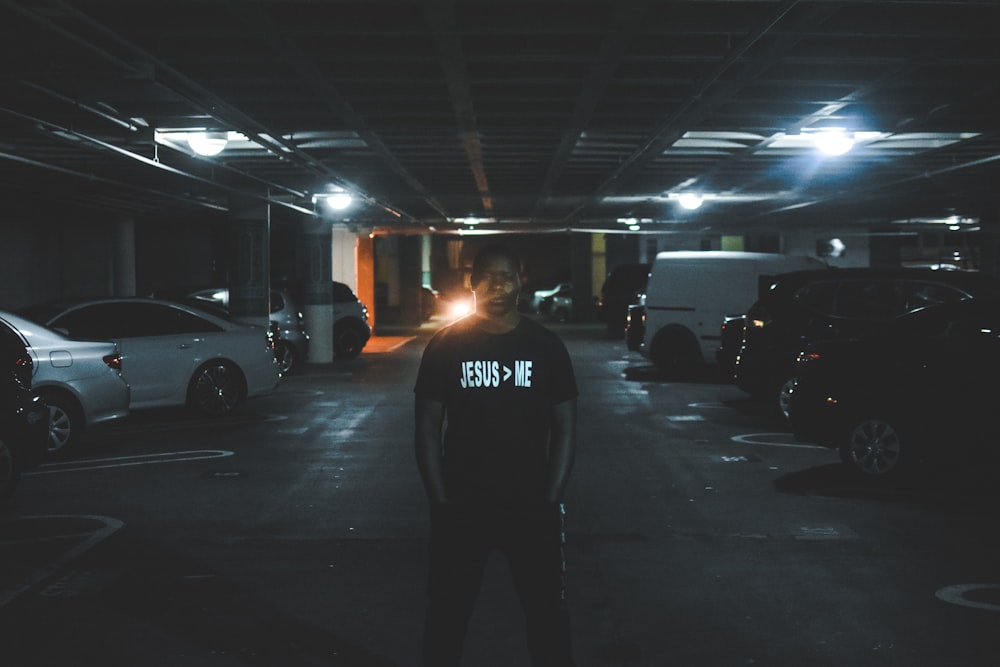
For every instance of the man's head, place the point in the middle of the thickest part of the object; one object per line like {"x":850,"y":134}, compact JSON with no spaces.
{"x":496,"y":281}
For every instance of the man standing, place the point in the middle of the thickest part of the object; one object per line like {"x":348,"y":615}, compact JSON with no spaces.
{"x":495,"y":477}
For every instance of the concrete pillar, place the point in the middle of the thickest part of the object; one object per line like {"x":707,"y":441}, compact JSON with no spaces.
{"x":344,"y":257}
{"x":989,"y":241}
{"x":315,"y":241}
{"x":365,"y":259}
{"x":250,"y":245}
{"x":123,"y":266}
{"x":581,"y":275}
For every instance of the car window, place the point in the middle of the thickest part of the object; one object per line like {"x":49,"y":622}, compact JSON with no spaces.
{"x":277,"y":302}
{"x":131,"y":320}
{"x":817,"y":297}
{"x":96,"y":321}
{"x":342,"y":293}
{"x":920,"y":294}
{"x":870,"y":299}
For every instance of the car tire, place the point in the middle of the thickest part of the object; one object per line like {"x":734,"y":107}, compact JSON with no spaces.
{"x":874,"y":448}
{"x":216,"y":389}
{"x":287,"y":357}
{"x":784,"y":395}
{"x":10,"y":475}
{"x":675,"y":353}
{"x":348,"y":340}
{"x":65,"y":422}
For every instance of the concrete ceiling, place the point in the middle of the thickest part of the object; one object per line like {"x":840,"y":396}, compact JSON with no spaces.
{"x":531,"y":115}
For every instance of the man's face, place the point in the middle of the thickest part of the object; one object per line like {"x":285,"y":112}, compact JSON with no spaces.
{"x":496,"y":291}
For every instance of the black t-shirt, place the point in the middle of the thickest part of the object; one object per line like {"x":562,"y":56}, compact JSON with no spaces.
{"x":498,"y":390}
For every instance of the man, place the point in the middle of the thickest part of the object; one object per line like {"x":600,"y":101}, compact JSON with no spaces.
{"x":495,"y":478}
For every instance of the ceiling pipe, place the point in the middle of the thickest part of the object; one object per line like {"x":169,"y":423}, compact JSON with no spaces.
{"x":209,"y":103}
{"x":157,"y":164}
{"x":855,"y":193}
{"x":698,"y":97}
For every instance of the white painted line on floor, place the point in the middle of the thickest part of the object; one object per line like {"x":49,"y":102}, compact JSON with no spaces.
{"x":110,"y":526}
{"x":772,"y":440}
{"x":126,"y":461}
{"x":956,"y":595}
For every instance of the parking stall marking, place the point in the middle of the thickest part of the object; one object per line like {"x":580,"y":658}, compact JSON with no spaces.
{"x":108,"y":526}
{"x":126,"y":461}
{"x":957,"y":595}
{"x":772,"y":440}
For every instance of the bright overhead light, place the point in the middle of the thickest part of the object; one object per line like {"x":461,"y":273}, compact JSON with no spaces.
{"x":207,"y":143}
{"x":339,"y":201}
{"x":834,"y":142}
{"x":336,"y":201}
{"x":690,"y":200}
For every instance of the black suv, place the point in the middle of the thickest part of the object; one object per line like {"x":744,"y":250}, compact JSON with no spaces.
{"x":620,"y":290}
{"x":919,"y":397}
{"x":805,"y":306}
{"x":24,"y":418}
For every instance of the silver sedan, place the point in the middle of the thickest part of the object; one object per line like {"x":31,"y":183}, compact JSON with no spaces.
{"x":80,"y":381}
{"x":173,"y":354}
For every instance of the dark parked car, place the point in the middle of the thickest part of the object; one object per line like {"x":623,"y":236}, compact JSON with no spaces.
{"x":730,"y":342}
{"x":635,"y":326}
{"x":924,"y":390}
{"x":24,"y":417}
{"x":351,"y":329}
{"x":804,"y":306}
{"x":620,"y":290}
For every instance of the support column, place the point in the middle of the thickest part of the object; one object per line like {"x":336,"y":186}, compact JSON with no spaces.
{"x":581,"y":276}
{"x":410,"y":277}
{"x":123,"y":265}
{"x":989,"y":241}
{"x":365,"y":258}
{"x":250,"y":245}
{"x":314,"y":252}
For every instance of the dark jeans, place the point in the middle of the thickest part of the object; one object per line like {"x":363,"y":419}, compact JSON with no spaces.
{"x":462,"y":537}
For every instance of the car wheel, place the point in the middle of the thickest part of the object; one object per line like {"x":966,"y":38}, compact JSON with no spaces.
{"x":874,"y":448}
{"x":675,"y":354}
{"x":287,"y":358}
{"x":348,"y":340}
{"x":65,"y":422}
{"x":216,"y":389}
{"x":9,"y":473}
{"x":785,"y":396}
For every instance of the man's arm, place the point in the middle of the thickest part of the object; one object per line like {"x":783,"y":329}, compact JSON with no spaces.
{"x":562,"y":448}
{"x":429,"y":417}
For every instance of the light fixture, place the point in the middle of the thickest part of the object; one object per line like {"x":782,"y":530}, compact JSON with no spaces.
{"x":690,"y":200}
{"x":337,"y":200}
{"x":834,"y":141}
{"x":207,"y":143}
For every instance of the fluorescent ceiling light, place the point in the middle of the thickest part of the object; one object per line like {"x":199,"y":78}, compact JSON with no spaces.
{"x":834,"y":142}
{"x":690,"y":200}
{"x":207,"y":143}
{"x":336,"y":201}
{"x":339,"y":201}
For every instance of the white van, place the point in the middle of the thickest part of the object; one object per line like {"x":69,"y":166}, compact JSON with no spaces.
{"x":690,"y":292}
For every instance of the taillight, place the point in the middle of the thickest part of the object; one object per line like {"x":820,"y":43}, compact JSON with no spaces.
{"x":758,"y":318}
{"x":807,"y":356}
{"x":24,"y":368}
{"x":114,"y":361}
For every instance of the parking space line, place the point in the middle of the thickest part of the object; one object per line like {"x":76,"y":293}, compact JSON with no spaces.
{"x":126,"y":461}
{"x":108,"y":528}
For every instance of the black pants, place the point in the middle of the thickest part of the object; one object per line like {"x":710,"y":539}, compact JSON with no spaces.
{"x":461,"y":540}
